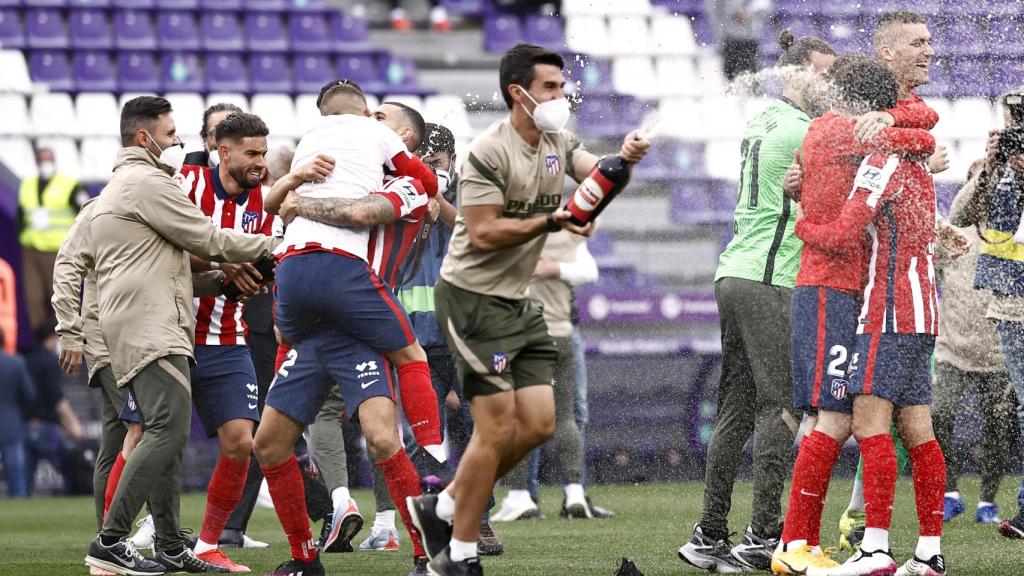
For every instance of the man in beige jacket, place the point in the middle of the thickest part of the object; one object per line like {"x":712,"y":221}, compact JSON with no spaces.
{"x":143,"y":228}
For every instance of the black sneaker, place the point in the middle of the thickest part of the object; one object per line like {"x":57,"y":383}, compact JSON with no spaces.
{"x":442,"y":565}
{"x":186,"y":561}
{"x":1013,"y":528}
{"x":435,"y":532}
{"x":295,"y":567}
{"x":230,"y":538}
{"x":754,"y":551}
{"x":488,"y":543}
{"x":934,"y":566}
{"x":594,"y":510}
{"x":419,"y":567}
{"x":708,"y":553}
{"x":121,"y":558}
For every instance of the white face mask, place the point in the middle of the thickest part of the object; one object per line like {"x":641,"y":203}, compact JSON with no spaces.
{"x":549,"y":116}
{"x":173,"y":156}
{"x":47,"y":170}
{"x":214,"y":158}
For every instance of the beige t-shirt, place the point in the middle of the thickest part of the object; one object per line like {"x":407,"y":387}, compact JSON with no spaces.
{"x":502,"y":169}
{"x":554,"y":293}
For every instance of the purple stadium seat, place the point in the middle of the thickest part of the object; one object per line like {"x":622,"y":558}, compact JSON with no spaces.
{"x":94,"y":72}
{"x":43,"y":3}
{"x":939,"y":81}
{"x":697,"y":202}
{"x":221,"y":31}
{"x":968,"y":77}
{"x":267,"y":5}
{"x":681,"y":6}
{"x":1004,"y":36}
{"x":360,"y":68}
{"x":135,"y":4}
{"x":501,"y":32}
{"x":89,"y":3}
{"x":44,"y":28}
{"x":177,"y":31}
{"x":177,"y":4}
{"x":51,"y":67}
{"x":265,"y":32}
{"x":310,"y":32}
{"x":349,"y":31}
{"x":465,"y":7}
{"x":181,"y":73}
{"x":133,"y":30}
{"x":311,"y":71}
{"x":596,"y":115}
{"x":1005,"y":74}
{"x":11,"y":34}
{"x":845,"y":34}
{"x":270,"y":73}
{"x":543,"y":30}
{"x":222,"y":4}
{"x":400,"y":75}
{"x":850,"y":9}
{"x":964,"y":35}
{"x":673,"y":159}
{"x":89,"y":29}
{"x":988,"y":7}
{"x":303,"y":5}
{"x":226,"y":73}
{"x":137,"y":72}
{"x":797,"y":7}
{"x":702,"y":30}
{"x":594,"y":76}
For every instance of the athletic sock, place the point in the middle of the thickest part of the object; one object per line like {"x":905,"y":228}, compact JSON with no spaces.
{"x":340,"y":496}
{"x":875,"y":539}
{"x":879,"y":480}
{"x":384,"y":519}
{"x":445,"y":507}
{"x":224,"y":492}
{"x":929,"y":475}
{"x":812,"y":473}
{"x":928,"y":546}
{"x":112,"y":479}
{"x":461,"y":550}
{"x":857,"y":494}
{"x":403,"y":481}
{"x":419,"y":402}
{"x":289,"y":495}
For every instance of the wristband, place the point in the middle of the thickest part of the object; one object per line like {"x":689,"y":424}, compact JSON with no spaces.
{"x":214,"y":266}
{"x":552,"y":225}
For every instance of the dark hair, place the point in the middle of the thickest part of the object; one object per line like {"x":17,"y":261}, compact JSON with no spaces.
{"x":438,"y":139}
{"x":344,"y":89}
{"x":797,"y":52}
{"x":517,"y":66}
{"x":889,"y":19}
{"x":864,"y":82}
{"x":326,"y":87}
{"x":219,"y":107}
{"x":139,"y":113}
{"x":240,"y":125}
{"x":415,"y":120}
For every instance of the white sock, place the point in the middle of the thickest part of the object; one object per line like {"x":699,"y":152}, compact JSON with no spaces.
{"x":206,"y":547}
{"x":384,"y":520}
{"x":857,"y":496}
{"x":518,"y":497}
{"x":875,"y":540}
{"x":982,"y":504}
{"x":575,"y":493}
{"x":340,"y":496}
{"x":953,"y":494}
{"x":461,"y":550}
{"x":438,"y":14}
{"x":437,"y":451}
{"x":445,"y":506}
{"x":928,"y":547}
{"x":793,"y":545}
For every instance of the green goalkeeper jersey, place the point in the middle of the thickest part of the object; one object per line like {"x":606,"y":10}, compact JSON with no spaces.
{"x":764,"y":247}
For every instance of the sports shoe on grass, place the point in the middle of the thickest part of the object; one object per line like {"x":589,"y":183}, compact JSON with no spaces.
{"x":711,"y":554}
{"x":121,"y":558}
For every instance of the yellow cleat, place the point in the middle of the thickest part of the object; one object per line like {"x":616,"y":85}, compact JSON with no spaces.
{"x":851,"y":530}
{"x":802,"y":561}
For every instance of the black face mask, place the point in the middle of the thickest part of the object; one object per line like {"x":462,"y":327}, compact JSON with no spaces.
{"x":451,"y":192}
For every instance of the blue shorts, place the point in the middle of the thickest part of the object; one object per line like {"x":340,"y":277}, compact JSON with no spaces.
{"x":130,"y":411}
{"x":316,"y":363}
{"x":823,"y":332}
{"x":326,"y":293}
{"x":224,"y":386}
{"x":897,"y":367}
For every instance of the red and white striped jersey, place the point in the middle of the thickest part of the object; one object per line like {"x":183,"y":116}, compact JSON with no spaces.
{"x":219,"y":320}
{"x":390,"y":244}
{"x":894,"y":200}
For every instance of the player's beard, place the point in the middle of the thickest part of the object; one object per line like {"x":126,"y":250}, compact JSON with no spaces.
{"x":239,"y":176}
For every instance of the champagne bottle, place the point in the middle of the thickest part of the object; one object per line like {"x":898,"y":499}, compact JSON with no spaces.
{"x":598,"y":189}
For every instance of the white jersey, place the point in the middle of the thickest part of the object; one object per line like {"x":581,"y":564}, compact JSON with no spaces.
{"x":362,"y":148}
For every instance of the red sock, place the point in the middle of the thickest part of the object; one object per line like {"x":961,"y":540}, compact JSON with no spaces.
{"x":879,"y":456}
{"x":112,"y":479}
{"x":419,"y":402}
{"x":223,"y":494}
{"x":811,"y":475}
{"x":289,"y":495}
{"x":929,"y":486}
{"x":403,"y":481}
{"x":282,"y":353}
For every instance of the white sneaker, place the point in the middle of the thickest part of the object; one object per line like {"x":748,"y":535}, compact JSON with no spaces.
{"x":863,"y":563}
{"x":264,"y":500}
{"x":517,"y":509}
{"x":934,"y":566}
{"x":145,"y":536}
{"x":251,"y":543}
{"x":382,"y":539}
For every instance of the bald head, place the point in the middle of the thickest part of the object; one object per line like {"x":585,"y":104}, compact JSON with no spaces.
{"x":343,"y":99}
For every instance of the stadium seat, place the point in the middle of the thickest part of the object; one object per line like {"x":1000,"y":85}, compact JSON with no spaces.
{"x":846,"y":34}
{"x":267,"y":5}
{"x":235,"y":98}
{"x":18,"y":155}
{"x":597,"y":116}
{"x":350,"y":32}
{"x":723,"y":158}
{"x":97,"y":156}
{"x":188,"y":114}
{"x":587,"y":35}
{"x":543,"y":30}
{"x":51,"y":67}
{"x":630,"y":36}
{"x":969,"y":77}
{"x":278,"y":112}
{"x":11,"y":34}
{"x":98,"y":115}
{"x":306,"y":113}
{"x":226,"y":73}
{"x":449,"y":110}
{"x":1005,"y":75}
{"x":14,"y":72}
{"x":359,"y":68}
{"x":135,"y":4}
{"x":678,"y":118}
{"x":270,"y":73}
{"x":53,"y":114}
{"x":41,"y":3}
{"x":702,"y":30}
{"x":1004,"y":36}
{"x":137,"y":72}
{"x":501,"y":32}
{"x":592,"y":75}
{"x":631,"y":9}
{"x":90,"y":30}
{"x":709,"y":73}
{"x":91,"y":3}
{"x":676,"y":76}
{"x":797,"y":7}
{"x":133,"y":30}
{"x":221,"y":31}
{"x":94,"y":72}
{"x":635,"y":76}
{"x":311,"y":72}
{"x":310,"y":33}
{"x":65,"y":154}
{"x":939,"y":80}
{"x":411,"y":100}
{"x":673,"y":36}
{"x":961,"y":36}
{"x":44,"y":28}
{"x":573,"y":8}
{"x":15,"y":110}
{"x":177,"y":4}
{"x":222,"y":4}
{"x":181,"y":73}
{"x":265,"y":32}
{"x":399,"y":74}
{"x":177,"y":31}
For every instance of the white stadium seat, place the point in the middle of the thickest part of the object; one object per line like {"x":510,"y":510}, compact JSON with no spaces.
{"x":722,"y":159}
{"x":306,"y":112}
{"x":98,"y":114}
{"x":15,"y":116}
{"x":14,"y":72}
{"x":450,"y":111}
{"x":635,"y":76}
{"x":676,"y":76}
{"x":125,"y":97}
{"x":586,"y":7}
{"x":673,"y":35}
{"x":53,"y":114}
{"x":587,"y":35}
{"x":19,"y":157}
{"x":229,"y":97}
{"x":621,"y":9}
{"x":188,"y":117}
{"x":677,"y":118}
{"x":630,"y":35}
{"x":65,"y":153}
{"x":410,"y":100}
{"x":278,"y":112}
{"x":97,"y":157}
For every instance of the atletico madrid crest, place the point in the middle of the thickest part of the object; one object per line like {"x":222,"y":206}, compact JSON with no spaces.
{"x":553,"y":164}
{"x":500,"y":362}
{"x":839,"y":388}
{"x":250,"y":222}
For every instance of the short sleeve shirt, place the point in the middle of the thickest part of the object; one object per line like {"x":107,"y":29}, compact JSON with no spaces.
{"x":502,"y":169}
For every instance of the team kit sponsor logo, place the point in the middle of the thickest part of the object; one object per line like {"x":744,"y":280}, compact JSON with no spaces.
{"x":366,"y":370}
{"x":542,"y":203}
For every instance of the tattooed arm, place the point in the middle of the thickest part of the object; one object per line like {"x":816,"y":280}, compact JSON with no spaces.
{"x":369,"y":211}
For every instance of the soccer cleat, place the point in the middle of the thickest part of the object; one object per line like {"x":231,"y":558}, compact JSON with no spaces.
{"x":295,"y":567}
{"x":186,"y":561}
{"x":597,"y":511}
{"x":435,"y":532}
{"x":987,"y":514}
{"x":217,"y":557}
{"x":488,"y":543}
{"x":341,"y":528}
{"x":952,"y":506}
{"x":121,"y":558}
{"x":419,"y":567}
{"x":851,"y":530}
{"x":145,"y":536}
{"x":710,"y":554}
{"x":1013,"y":528}
{"x":755,"y":552}
{"x":803,"y":560}
{"x":877,"y":563}
{"x":520,"y":510}
{"x":442,"y":565}
{"x":382,"y":539}
{"x":934,"y":566}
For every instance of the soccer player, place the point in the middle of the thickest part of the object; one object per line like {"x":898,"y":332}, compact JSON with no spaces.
{"x":753,"y":287}
{"x":212,"y":116}
{"x":511,"y":187}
